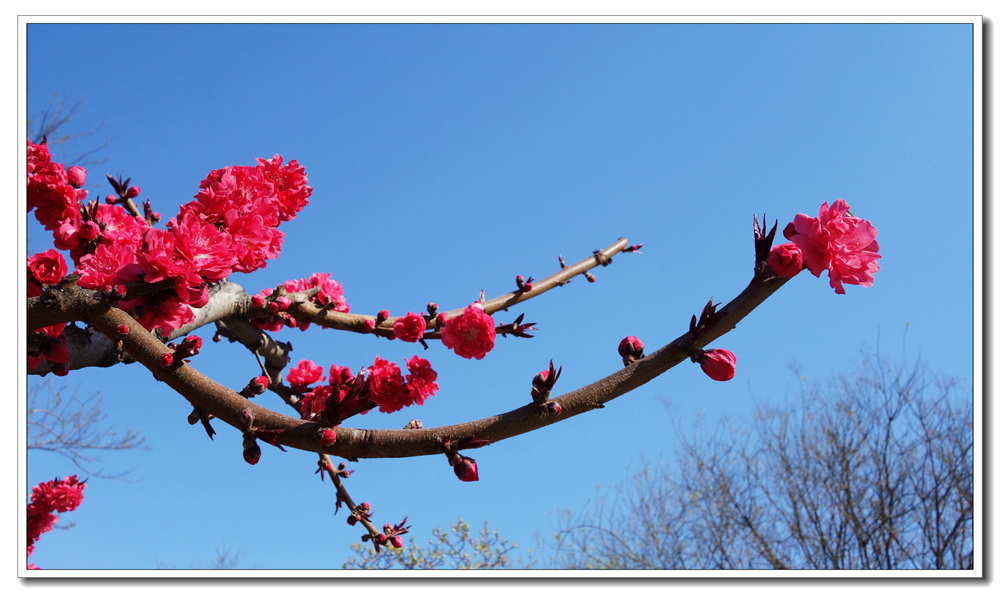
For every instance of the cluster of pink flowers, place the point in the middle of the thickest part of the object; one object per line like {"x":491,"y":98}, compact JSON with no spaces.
{"x":231,"y":225}
{"x":471,"y":334}
{"x":48,"y":498}
{"x":386,"y":386}
{"x":330,"y":296}
{"x":836,"y":241}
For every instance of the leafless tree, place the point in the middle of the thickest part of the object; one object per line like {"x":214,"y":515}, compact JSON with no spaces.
{"x":458,"y":548}
{"x":872,"y":471}
{"x":54,"y":125}
{"x":61,"y":421}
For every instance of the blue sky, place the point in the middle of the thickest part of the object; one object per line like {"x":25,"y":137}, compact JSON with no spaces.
{"x":446,"y":159}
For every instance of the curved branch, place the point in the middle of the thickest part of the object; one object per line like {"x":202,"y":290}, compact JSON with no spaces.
{"x":353,"y":444}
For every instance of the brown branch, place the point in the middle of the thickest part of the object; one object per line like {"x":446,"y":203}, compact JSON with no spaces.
{"x":228,"y":405}
{"x":303,"y":310}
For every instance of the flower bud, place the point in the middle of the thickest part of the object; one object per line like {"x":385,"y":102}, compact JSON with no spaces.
{"x":283,"y":302}
{"x":382,"y":316}
{"x":369,"y":324}
{"x":327,"y":436}
{"x":786,"y":260}
{"x":111,"y":200}
{"x":719,"y":364}
{"x":133,"y":192}
{"x":251,"y":450}
{"x":396,"y":541}
{"x":630,"y":349}
{"x":257,"y":300}
{"x":90,"y":230}
{"x":76,"y":176}
{"x":166,"y":360}
{"x":552,"y":408}
{"x":122,"y":330}
{"x":258,"y":385}
{"x":466,"y":469}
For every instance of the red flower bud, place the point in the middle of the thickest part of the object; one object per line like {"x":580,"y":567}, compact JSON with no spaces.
{"x":630,"y":349}
{"x":122,"y":330}
{"x":553,"y":408}
{"x":396,"y":541}
{"x":719,"y":364}
{"x":369,"y":324}
{"x":133,"y":192}
{"x":283,"y":302}
{"x":466,"y":469}
{"x":327,"y":436}
{"x":166,"y":359}
{"x":252,"y":454}
{"x":90,"y":230}
{"x":257,"y":300}
{"x":76,"y":176}
{"x":786,"y":260}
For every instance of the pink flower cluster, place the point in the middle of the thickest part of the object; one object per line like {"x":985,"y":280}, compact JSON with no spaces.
{"x":47,"y":499}
{"x":231,"y":225}
{"x":386,"y":386}
{"x":330,"y":296}
{"x":471,"y":334}
{"x":836,"y":241}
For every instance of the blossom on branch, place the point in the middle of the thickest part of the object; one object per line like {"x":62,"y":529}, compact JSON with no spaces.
{"x":47,"y":498}
{"x":718,"y":364}
{"x":409,"y":328}
{"x":471,"y":334}
{"x":786,"y":260}
{"x":45,"y":269}
{"x":838,"y":242}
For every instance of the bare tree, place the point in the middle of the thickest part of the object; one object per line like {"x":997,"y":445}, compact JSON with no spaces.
{"x":871,"y":471}
{"x":457,"y":549}
{"x":54,"y":126}
{"x":62,"y":422}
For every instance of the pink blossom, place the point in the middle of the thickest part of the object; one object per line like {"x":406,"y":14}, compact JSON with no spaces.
{"x":630,"y":349}
{"x":208,"y":251}
{"x":471,"y":334}
{"x":314,"y":402}
{"x":101,"y":268}
{"x":838,"y":242}
{"x":305,"y":373}
{"x":118,"y":226}
{"x":786,"y":259}
{"x":47,"y":267}
{"x":719,"y":364}
{"x":409,"y":328}
{"x":386,"y":385}
{"x":421,"y":381}
{"x":47,"y":498}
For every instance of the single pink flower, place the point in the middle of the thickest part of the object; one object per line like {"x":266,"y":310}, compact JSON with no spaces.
{"x":47,"y":267}
{"x":471,"y":334}
{"x":421,"y":380}
{"x":786,"y":260}
{"x":838,"y":242}
{"x":386,"y":386}
{"x":305,"y":373}
{"x":410,"y":328}
{"x":719,"y":364}
{"x":76,"y":176}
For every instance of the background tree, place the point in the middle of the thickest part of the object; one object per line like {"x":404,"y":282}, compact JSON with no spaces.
{"x":60,"y":421}
{"x":458,"y":548}
{"x":873,"y":470}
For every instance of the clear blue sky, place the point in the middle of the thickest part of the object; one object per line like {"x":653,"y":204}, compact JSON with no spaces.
{"x":446,"y":159}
